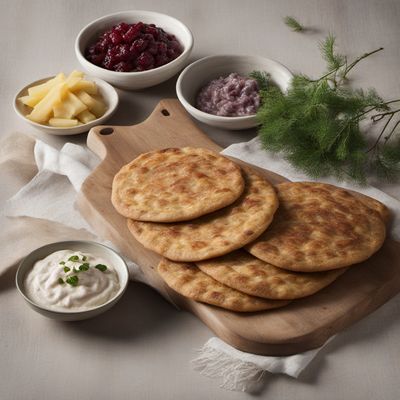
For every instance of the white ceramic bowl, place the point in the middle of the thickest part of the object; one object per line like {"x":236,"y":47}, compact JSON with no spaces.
{"x":134,"y":80}
{"x":202,"y":71}
{"x":96,"y":249}
{"x":108,"y":93}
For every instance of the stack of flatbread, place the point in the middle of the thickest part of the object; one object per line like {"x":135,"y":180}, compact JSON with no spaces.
{"x":230,"y":239}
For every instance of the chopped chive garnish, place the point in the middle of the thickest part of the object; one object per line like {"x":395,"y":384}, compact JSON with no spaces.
{"x":101,"y":267}
{"x":76,"y":270}
{"x":67,"y":269}
{"x":62,"y":262}
{"x":72,"y":280}
{"x":84,"y":267}
{"x":73,"y":258}
{"x":84,"y":258}
{"x":60,"y":281}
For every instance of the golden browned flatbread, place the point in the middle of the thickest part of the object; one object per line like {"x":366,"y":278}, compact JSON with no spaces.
{"x":214,"y":234}
{"x":319,"y":227}
{"x":246,"y":273}
{"x":376,"y":205}
{"x":190,"y":282}
{"x":176,"y":185}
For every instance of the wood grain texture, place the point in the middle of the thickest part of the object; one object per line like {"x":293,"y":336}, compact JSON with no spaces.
{"x":305,"y":323}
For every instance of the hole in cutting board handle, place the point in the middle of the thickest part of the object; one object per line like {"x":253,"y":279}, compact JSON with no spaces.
{"x":106,"y":131}
{"x":165,"y":112}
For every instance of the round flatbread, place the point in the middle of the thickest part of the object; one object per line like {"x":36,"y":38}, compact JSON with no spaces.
{"x":377,"y":206}
{"x":176,"y":185}
{"x":319,"y":227}
{"x":190,"y":282}
{"x":246,"y":273}
{"x":214,"y":234}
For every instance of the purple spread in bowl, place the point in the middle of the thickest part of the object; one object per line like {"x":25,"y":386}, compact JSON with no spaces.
{"x":230,"y":96}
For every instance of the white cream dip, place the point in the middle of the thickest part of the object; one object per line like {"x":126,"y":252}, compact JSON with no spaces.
{"x":47,"y":282}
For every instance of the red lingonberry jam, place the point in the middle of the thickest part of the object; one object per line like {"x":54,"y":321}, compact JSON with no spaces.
{"x":133,"y":47}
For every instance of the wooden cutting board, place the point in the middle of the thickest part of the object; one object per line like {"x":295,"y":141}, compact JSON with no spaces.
{"x":305,"y":323}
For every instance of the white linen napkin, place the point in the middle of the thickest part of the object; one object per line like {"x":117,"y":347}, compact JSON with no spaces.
{"x":242,"y":371}
{"x":51,"y":194}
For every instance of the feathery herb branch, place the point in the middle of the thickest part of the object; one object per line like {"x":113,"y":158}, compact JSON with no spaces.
{"x":379,"y":116}
{"x":316,"y":124}
{"x":262,"y":78}
{"x":357,"y":60}
{"x":375,"y":145}
{"x":392,"y":131}
{"x":293,"y":24}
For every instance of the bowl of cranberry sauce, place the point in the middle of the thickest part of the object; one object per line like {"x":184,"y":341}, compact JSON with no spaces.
{"x":218,"y":90}
{"x":134,"y":49}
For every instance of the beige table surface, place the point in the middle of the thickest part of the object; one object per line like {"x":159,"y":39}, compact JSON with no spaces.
{"x":141,"y":349}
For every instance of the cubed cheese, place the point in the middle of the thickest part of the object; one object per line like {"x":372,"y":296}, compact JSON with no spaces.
{"x":44,"y":109}
{"x":67,"y":101}
{"x":86,"y":116}
{"x":95,"y":106}
{"x":30,"y":101}
{"x":63,"y":122}
{"x":44,"y":88}
{"x":75,"y":73}
{"x":70,"y":106}
{"x":87,"y":86}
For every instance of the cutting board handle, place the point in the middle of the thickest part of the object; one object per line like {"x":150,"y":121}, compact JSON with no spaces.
{"x":167,"y":121}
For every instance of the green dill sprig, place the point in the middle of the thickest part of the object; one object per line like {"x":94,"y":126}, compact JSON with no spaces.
{"x":337,"y":65}
{"x":386,"y":162}
{"x":316,"y":124}
{"x":293,"y":24}
{"x":333,"y":59}
{"x":263,"y":79}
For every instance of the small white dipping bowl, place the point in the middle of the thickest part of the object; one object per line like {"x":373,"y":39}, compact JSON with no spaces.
{"x":96,"y":249}
{"x":134,"y":80}
{"x":109,"y":94}
{"x":201,"y":72}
